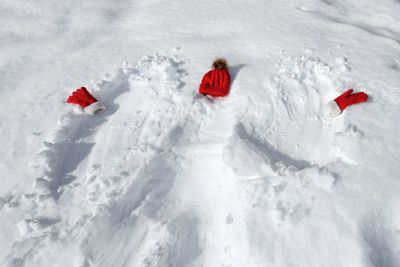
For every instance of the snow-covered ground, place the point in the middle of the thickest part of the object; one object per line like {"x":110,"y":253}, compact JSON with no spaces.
{"x":167,"y":178}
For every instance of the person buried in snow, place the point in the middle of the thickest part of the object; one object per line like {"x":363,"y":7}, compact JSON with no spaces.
{"x":216,"y":82}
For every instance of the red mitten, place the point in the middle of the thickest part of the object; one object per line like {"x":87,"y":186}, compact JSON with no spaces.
{"x":84,"y":99}
{"x":215,"y":83}
{"x":335,"y":107}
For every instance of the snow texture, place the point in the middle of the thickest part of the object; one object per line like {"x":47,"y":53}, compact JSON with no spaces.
{"x":166,"y":177}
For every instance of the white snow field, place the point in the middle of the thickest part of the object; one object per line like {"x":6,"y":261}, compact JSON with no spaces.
{"x":165,"y":177}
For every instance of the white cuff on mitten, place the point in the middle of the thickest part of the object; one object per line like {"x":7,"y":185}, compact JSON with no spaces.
{"x":333,"y":109}
{"x":94,"y":108}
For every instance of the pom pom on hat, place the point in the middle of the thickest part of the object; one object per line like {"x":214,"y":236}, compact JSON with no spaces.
{"x":219,"y":63}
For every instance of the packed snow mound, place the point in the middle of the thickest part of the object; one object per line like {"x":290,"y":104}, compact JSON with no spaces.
{"x":167,"y":177}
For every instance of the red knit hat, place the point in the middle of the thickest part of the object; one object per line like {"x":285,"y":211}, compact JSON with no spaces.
{"x":216,"y":82}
